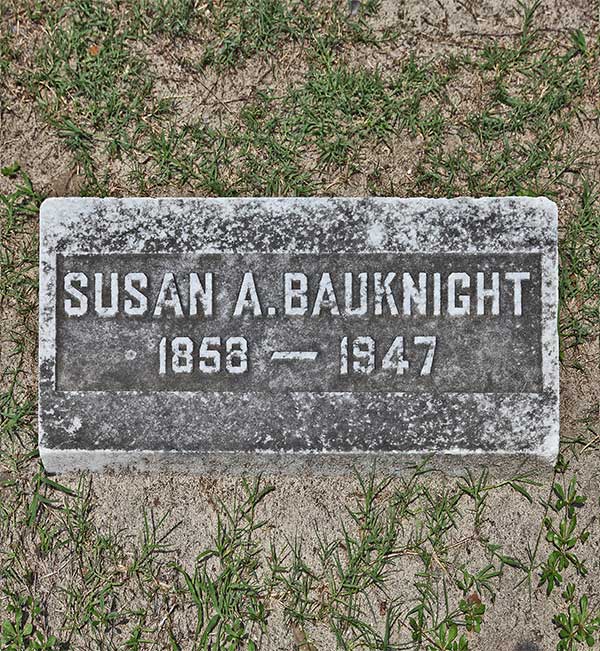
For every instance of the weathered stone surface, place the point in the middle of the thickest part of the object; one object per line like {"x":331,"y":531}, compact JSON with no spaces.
{"x":251,"y":333}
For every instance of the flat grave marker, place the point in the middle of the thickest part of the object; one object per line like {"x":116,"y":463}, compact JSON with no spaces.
{"x":205,"y":334}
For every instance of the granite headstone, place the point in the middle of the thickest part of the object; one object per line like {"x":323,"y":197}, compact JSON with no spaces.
{"x":203,"y":334}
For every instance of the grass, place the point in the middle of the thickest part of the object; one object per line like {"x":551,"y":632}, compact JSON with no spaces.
{"x":297,"y":98}
{"x":580,"y":272}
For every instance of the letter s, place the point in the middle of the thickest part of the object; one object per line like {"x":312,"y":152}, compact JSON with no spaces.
{"x":78,"y":308}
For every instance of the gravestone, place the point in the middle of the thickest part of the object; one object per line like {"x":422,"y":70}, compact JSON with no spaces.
{"x":205,"y":334}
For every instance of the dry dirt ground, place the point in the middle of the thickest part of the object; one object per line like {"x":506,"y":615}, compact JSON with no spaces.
{"x":111,"y":524}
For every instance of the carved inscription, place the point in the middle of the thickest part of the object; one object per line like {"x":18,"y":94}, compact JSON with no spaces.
{"x":277,"y":322}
